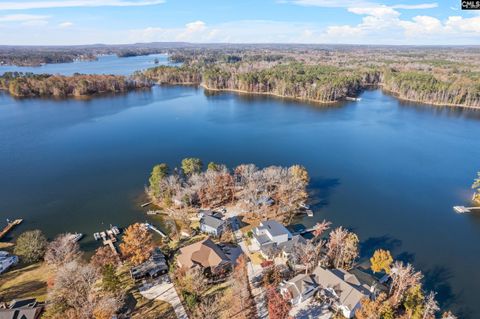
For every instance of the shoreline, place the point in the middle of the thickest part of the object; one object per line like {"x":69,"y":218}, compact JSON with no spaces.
{"x":379,"y":86}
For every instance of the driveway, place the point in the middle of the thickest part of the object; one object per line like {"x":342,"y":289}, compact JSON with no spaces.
{"x":164,"y":290}
{"x":310,"y":309}
{"x":253,"y":271}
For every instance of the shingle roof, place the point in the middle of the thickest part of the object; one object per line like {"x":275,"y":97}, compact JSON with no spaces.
{"x":300,"y":284}
{"x":346,"y":286}
{"x":205,"y":253}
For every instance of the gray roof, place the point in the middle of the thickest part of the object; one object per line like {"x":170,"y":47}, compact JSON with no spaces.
{"x":288,"y":246}
{"x":274,"y":228}
{"x":346,"y":286}
{"x":212,"y":221}
{"x":300,"y":284}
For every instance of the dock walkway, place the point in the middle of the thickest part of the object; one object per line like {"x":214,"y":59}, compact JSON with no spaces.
{"x":464,"y":210}
{"x":10,"y":226}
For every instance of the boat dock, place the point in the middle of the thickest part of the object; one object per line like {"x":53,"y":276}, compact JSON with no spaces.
{"x":464,"y":210}
{"x":304,"y":231}
{"x":145,"y":204}
{"x":155,"y":229}
{"x":10,"y":226}
{"x":108,"y":237}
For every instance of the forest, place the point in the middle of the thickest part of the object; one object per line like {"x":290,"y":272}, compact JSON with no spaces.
{"x":273,"y":192}
{"x":441,"y":77}
{"x":46,"y":85}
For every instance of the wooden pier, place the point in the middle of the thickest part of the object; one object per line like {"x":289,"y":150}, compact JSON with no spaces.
{"x":464,"y":210}
{"x":109,"y":242}
{"x":155,"y":229}
{"x":145,"y":204}
{"x":10,"y":226}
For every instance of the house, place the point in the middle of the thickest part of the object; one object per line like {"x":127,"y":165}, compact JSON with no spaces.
{"x":269,"y":235}
{"x":205,"y":254}
{"x":22,"y":309}
{"x":342,"y":288}
{"x":212,"y":225}
{"x":207,"y":212}
{"x":290,"y":246}
{"x":7,"y":260}
{"x":155,"y":266}
{"x":299,"y":288}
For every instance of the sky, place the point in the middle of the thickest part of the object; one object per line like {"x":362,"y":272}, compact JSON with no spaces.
{"x":403,"y":22}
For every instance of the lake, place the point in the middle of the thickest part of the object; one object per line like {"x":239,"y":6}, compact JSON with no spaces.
{"x":105,"y":64}
{"x":390,"y":171}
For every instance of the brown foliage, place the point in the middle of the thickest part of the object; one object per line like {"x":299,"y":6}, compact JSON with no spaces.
{"x":137,"y":244}
{"x":104,"y":256}
{"x":278,"y":306}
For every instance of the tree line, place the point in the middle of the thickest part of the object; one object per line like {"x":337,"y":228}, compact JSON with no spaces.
{"x":47,"y":85}
{"x":322,"y":82}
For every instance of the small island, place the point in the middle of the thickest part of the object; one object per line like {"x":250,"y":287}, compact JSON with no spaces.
{"x":47,"y":85}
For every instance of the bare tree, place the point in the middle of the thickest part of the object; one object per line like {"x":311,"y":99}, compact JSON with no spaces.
{"x":430,"y":306}
{"x":62,"y":250}
{"x":73,"y":294}
{"x":403,"y":278}
{"x":342,"y":248}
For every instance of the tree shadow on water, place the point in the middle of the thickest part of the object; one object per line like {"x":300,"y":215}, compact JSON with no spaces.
{"x":320,"y":190}
{"x":387,"y":242}
{"x":437,"y":279}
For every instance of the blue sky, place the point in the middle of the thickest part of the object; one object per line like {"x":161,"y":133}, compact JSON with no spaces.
{"x":246,"y":21}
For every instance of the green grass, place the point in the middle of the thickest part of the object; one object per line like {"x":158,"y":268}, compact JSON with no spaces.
{"x":28,"y":281}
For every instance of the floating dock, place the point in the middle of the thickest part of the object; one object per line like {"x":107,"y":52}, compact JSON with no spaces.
{"x":10,"y":226}
{"x":464,"y":210}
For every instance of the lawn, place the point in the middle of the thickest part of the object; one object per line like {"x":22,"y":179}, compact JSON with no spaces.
{"x":256,"y":258}
{"x":25,"y":282}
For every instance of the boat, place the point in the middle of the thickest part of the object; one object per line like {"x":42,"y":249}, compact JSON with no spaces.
{"x":153,"y":212}
{"x":103,"y":235}
{"x":76,"y":237}
{"x":309,"y":213}
{"x":96,"y":236}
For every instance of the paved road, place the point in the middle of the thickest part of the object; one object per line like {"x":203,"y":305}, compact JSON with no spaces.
{"x":166,"y":292}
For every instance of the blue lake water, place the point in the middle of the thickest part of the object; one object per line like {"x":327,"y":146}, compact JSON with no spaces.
{"x":106,"y":64}
{"x":388,"y":170}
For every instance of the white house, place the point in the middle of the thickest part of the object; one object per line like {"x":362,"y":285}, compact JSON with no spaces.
{"x":299,"y":288}
{"x":7,"y":260}
{"x":270,"y":234}
{"x":212,"y":225}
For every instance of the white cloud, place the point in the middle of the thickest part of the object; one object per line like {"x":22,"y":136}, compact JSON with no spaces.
{"x":75,"y":3}
{"x":361,"y":3}
{"x":22,"y":17}
{"x":415,"y":6}
{"x":28,"y":20}
{"x":66,"y":24}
